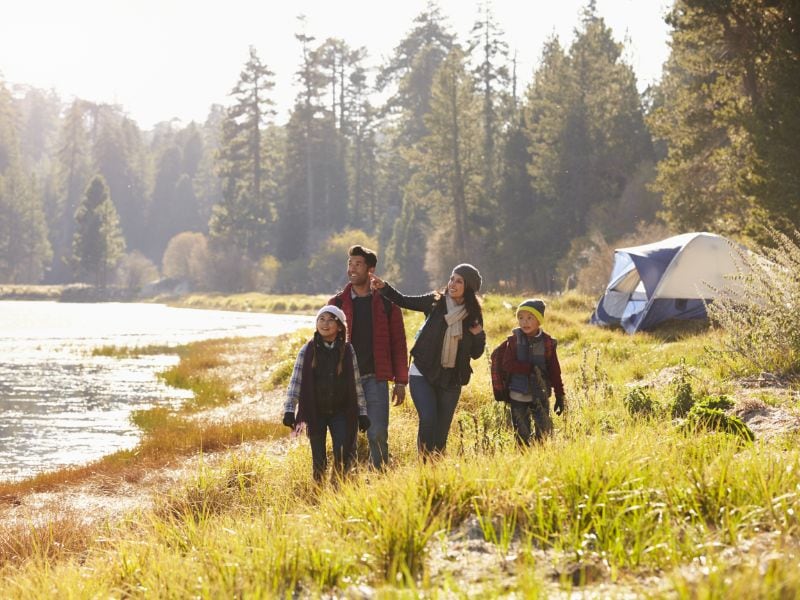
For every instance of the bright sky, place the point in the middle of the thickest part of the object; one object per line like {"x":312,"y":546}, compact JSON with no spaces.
{"x":164,"y":59}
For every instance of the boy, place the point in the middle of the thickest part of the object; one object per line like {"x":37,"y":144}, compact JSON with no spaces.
{"x":528,"y":370}
{"x":326,"y":389}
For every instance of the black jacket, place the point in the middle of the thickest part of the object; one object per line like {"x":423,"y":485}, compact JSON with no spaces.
{"x":427,"y":350}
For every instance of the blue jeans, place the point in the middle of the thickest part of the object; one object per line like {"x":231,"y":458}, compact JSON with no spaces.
{"x":435,"y":406}
{"x":377,"y":395}
{"x":337,"y":424}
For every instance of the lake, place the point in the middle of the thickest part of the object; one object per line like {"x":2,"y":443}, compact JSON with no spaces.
{"x":60,"y":406}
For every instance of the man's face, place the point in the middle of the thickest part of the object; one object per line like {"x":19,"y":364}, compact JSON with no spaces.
{"x":357,"y":270}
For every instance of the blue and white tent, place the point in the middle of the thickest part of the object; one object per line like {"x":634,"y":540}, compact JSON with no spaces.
{"x":665,"y":280}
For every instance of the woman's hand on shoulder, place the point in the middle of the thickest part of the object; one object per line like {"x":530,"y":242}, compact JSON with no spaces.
{"x":475,"y":328}
{"x":375,"y":282}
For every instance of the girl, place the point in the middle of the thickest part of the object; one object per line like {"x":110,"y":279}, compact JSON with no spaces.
{"x":451,"y":335}
{"x":326,"y":390}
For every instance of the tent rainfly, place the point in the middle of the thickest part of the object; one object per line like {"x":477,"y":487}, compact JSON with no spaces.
{"x":670,"y":279}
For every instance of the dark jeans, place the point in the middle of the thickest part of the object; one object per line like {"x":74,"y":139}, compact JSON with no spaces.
{"x":435,"y":406}
{"x":521,"y":413}
{"x":337,"y":424}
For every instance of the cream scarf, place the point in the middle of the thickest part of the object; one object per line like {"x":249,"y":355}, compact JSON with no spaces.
{"x":454,"y":318}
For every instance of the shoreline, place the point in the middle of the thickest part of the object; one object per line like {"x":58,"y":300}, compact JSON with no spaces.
{"x":90,"y":493}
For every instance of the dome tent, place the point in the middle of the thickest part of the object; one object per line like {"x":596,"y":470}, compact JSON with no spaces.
{"x":670,"y":279}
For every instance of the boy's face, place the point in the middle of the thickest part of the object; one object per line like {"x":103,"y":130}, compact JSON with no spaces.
{"x":528,"y":323}
{"x":328,"y":326}
{"x":357,"y":270}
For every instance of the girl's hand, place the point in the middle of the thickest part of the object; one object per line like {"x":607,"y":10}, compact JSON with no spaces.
{"x":375,"y":282}
{"x":476,"y":328}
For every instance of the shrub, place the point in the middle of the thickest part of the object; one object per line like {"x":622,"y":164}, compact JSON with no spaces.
{"x":715,"y":402}
{"x":683,"y":400}
{"x":760,"y":311}
{"x":267,"y":273}
{"x":327,"y":269}
{"x":186,"y":257}
{"x":639,"y":403}
{"x":283,"y":371}
{"x":135,"y":271}
{"x":714,"y":419}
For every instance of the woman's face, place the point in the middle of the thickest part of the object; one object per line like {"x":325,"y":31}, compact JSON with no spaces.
{"x":455,"y":287}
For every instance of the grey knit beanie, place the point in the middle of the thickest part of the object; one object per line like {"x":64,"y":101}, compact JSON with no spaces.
{"x":471,"y":275}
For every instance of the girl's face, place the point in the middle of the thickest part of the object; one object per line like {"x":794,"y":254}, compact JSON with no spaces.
{"x":328,"y":326}
{"x":455,"y":287}
{"x":528,"y":323}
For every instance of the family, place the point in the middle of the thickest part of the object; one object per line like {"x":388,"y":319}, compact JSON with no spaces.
{"x":340,"y":381}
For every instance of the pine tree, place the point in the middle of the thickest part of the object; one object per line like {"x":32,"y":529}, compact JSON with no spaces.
{"x":584,"y":120}
{"x":410,"y":71}
{"x":491,"y":72}
{"x":24,"y":247}
{"x":448,"y":161}
{"x":72,"y":173}
{"x":120,"y":157}
{"x":243,"y":219}
{"x":98,"y":243}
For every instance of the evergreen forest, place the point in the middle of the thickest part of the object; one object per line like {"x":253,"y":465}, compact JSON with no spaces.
{"x":435,"y":157}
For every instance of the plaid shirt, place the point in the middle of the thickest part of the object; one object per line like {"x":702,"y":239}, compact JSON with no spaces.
{"x":293,"y":392}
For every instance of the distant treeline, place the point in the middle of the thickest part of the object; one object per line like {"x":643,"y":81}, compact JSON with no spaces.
{"x":434,"y":158}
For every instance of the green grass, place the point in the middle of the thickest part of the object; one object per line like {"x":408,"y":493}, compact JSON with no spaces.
{"x":255,"y":301}
{"x":133,"y":352}
{"x":641,"y":505}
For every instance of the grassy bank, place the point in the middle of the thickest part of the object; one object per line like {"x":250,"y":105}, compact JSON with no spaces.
{"x":615,"y":503}
{"x":253,"y":301}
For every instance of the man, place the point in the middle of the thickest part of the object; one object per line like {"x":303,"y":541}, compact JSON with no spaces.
{"x":376,"y":331}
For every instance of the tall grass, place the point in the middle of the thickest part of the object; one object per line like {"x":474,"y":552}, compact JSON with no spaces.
{"x":638,"y":505}
{"x":761,"y":315}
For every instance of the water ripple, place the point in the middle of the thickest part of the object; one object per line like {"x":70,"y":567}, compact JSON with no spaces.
{"x":61,"y":406}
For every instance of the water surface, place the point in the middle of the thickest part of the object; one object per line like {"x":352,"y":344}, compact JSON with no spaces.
{"x":61,"y":406}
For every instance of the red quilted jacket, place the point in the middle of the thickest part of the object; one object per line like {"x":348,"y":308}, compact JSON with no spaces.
{"x":388,"y":335}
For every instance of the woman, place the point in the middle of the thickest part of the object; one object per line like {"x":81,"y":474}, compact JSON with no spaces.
{"x":451,"y":335}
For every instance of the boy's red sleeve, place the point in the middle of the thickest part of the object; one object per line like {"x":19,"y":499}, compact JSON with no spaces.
{"x":554,"y":373}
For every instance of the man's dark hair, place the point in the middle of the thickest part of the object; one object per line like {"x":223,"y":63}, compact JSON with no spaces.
{"x":369,"y":255}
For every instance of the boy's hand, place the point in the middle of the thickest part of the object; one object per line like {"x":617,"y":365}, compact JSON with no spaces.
{"x":559,"y":405}
{"x":288,"y":419}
